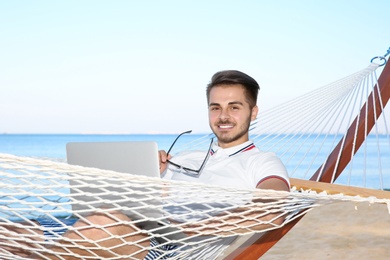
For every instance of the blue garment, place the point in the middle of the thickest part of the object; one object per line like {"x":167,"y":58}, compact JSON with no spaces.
{"x":160,"y":252}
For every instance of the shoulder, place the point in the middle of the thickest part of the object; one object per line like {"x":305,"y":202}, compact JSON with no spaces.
{"x":267,"y":165}
{"x":256,"y":156}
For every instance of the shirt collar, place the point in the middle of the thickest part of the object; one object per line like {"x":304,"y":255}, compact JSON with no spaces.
{"x":248,"y":145}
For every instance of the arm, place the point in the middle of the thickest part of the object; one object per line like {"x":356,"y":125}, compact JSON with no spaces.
{"x":239,"y":219}
{"x":274,"y":184}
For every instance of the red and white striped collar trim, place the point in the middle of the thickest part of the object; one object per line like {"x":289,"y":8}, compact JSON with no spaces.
{"x":249,"y":145}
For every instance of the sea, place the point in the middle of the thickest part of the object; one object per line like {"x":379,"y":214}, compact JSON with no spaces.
{"x":53,"y":147}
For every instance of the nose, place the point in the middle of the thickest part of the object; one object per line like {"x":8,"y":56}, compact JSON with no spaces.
{"x":224,"y":114}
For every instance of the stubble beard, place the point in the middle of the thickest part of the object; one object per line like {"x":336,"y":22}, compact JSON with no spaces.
{"x":226,"y":137}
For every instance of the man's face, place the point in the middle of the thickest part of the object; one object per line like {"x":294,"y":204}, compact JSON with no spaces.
{"x":230,"y":114}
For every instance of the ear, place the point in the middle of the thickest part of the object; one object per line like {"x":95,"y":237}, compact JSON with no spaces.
{"x":255,"y":110}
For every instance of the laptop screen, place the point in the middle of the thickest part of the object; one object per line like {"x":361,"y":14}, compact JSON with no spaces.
{"x":139,"y":157}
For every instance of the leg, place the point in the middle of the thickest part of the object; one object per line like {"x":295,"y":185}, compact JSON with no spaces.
{"x":104,"y":235}
{"x":20,"y":238}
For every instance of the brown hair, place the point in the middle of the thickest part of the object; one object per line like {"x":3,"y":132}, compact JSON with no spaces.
{"x":230,"y":77}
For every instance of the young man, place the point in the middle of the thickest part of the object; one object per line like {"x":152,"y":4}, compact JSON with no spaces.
{"x":234,"y":161}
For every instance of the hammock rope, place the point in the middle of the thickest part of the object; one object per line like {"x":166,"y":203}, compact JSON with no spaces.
{"x":346,"y":153}
{"x":41,"y":199}
{"x":34,"y":189}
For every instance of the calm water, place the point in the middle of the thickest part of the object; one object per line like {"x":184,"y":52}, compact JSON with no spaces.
{"x":365,"y":166}
{"x":365,"y":171}
{"x":54,"y":145}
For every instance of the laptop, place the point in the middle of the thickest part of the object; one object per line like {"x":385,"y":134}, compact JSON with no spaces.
{"x":139,"y":157}
{"x":133,"y":157}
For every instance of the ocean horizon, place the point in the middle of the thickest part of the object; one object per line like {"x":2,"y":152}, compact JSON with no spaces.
{"x":365,"y":172}
{"x":53,"y":146}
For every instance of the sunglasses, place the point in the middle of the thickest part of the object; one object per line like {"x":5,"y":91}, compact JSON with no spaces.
{"x":187,"y":170}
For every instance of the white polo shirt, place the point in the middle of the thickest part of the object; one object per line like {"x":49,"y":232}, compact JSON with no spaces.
{"x":243,"y":166}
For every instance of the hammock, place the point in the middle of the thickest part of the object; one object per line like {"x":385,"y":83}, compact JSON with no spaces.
{"x":35,"y":189}
{"x":359,"y":115}
{"x":304,"y":132}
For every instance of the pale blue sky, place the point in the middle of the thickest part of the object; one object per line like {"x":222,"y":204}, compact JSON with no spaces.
{"x":142,"y":66}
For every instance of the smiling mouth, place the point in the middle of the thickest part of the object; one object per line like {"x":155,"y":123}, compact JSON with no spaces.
{"x":225,"y":126}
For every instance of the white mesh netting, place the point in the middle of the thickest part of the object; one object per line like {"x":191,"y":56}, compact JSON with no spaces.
{"x":41,"y":199}
{"x":47,"y":209}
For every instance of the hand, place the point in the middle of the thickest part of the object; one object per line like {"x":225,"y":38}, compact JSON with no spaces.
{"x":163,"y":157}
